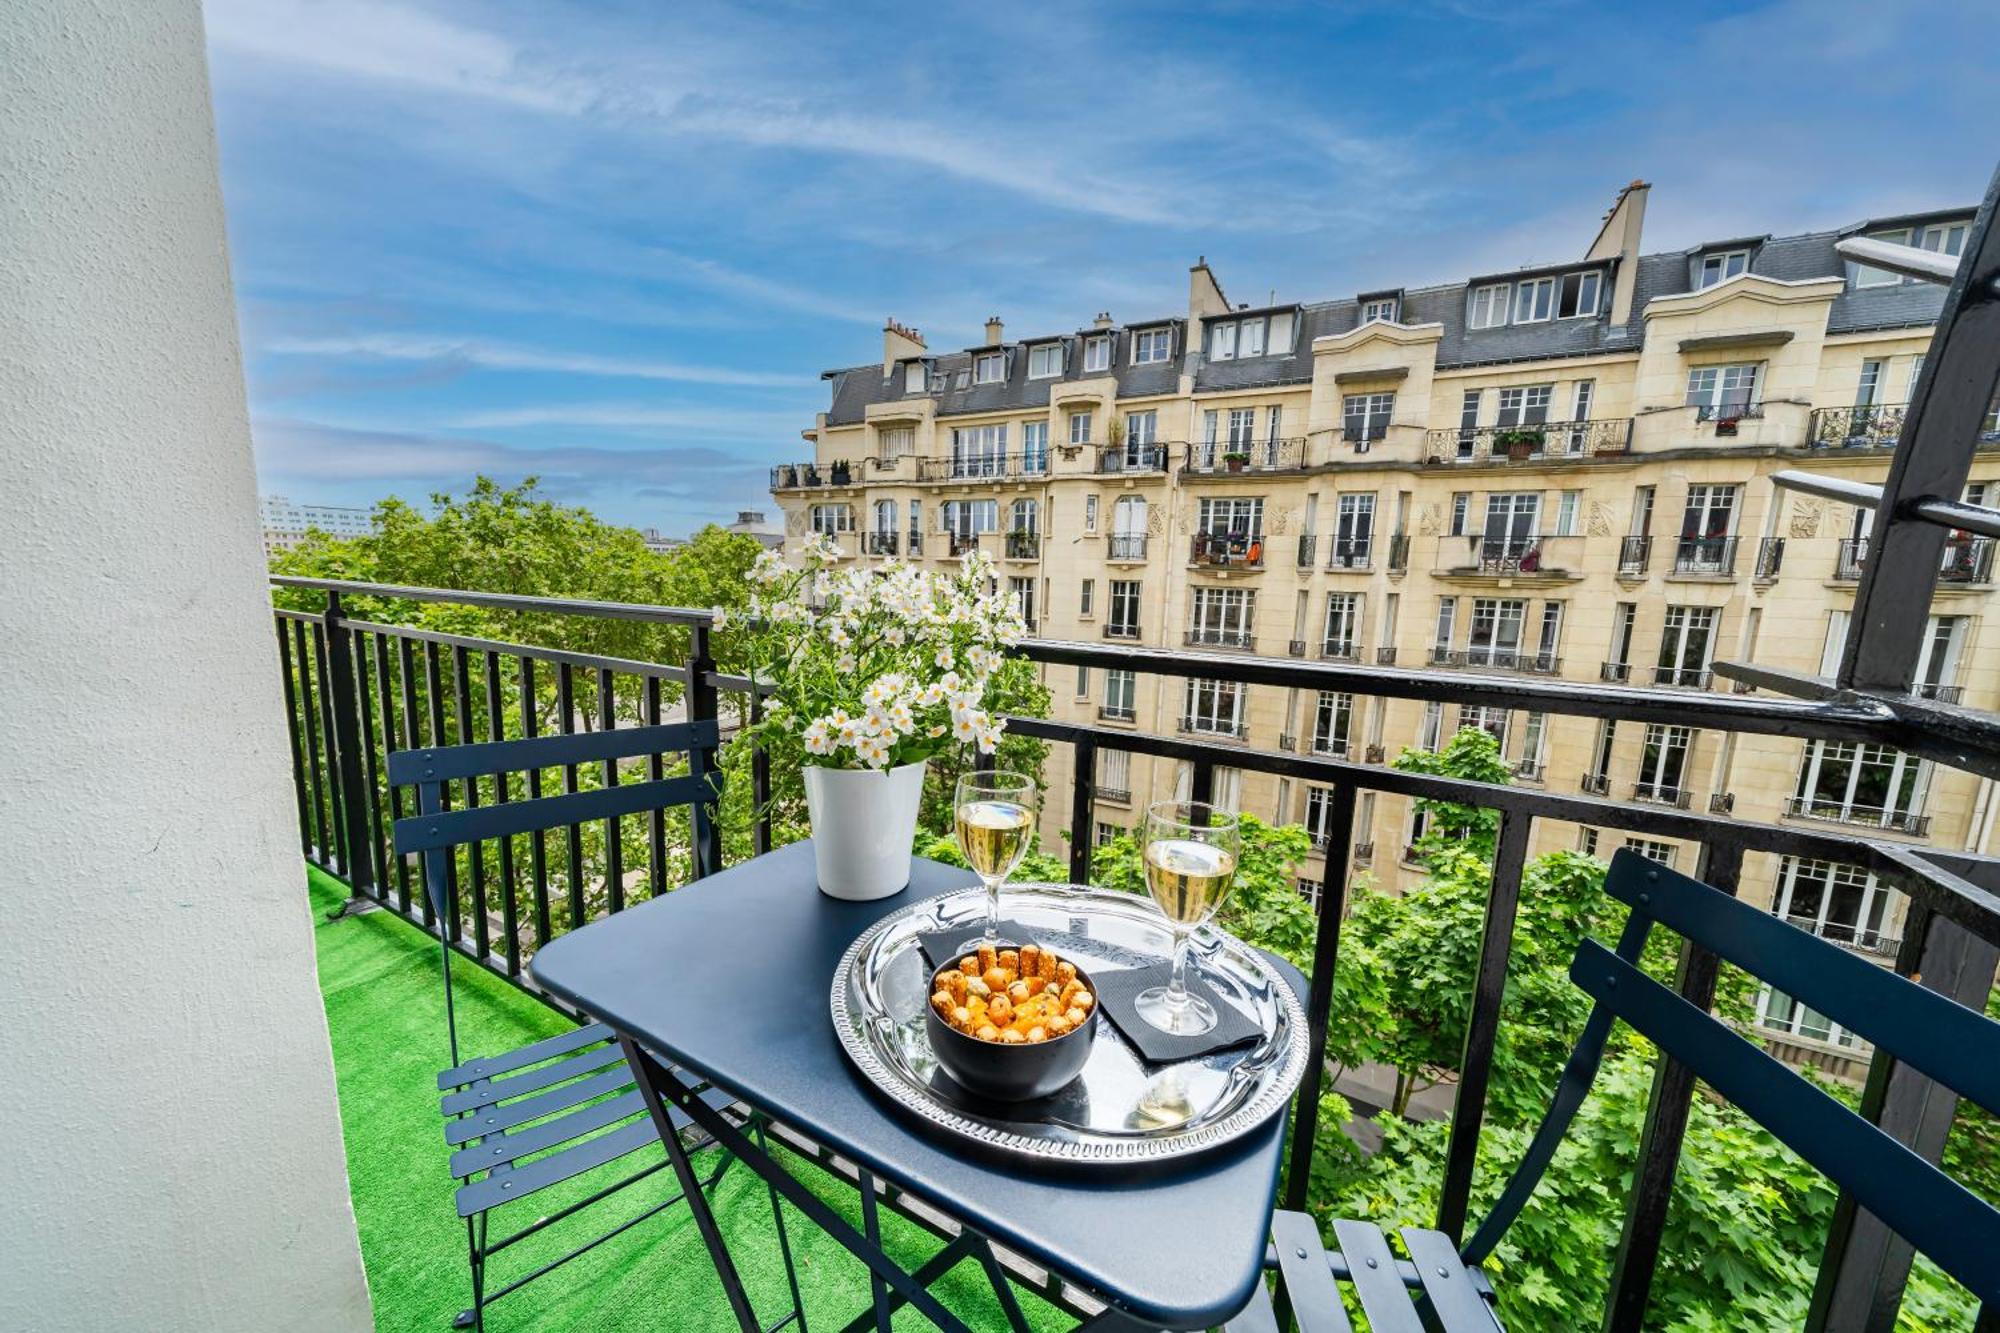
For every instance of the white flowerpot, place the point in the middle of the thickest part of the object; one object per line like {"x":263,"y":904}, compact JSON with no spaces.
{"x":863,"y":822}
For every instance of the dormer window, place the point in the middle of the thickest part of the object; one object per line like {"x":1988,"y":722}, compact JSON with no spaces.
{"x":1222,"y":341}
{"x":1721,"y":267}
{"x":1535,"y":300}
{"x":913,"y":377}
{"x":1946,"y":238}
{"x":1045,"y":361}
{"x":1097,"y":354}
{"x":1381,"y":308}
{"x":1489,"y":306}
{"x":989,"y":368}
{"x":1253,"y":335}
{"x":1151,"y":345}
{"x":1576,"y":297}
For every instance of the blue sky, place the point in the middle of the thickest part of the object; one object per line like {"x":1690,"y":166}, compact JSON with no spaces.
{"x":614,"y":244}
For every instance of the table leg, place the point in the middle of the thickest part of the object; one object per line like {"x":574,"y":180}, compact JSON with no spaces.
{"x":650,"y":1078}
{"x":873,"y":1225}
{"x":659,"y":1083}
{"x":1002,"y":1292}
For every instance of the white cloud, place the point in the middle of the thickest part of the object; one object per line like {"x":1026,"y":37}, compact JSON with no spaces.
{"x":706,"y":421}
{"x":490,"y":355}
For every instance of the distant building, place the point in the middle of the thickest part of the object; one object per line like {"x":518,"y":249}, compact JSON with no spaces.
{"x":286,"y":524}
{"x":657,"y":541}
{"x":753,"y":523}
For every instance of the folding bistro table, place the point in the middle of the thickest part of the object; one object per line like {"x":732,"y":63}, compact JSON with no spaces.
{"x":728,"y":979}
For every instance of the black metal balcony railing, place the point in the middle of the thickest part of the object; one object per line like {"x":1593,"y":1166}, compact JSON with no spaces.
{"x":1528,"y":769}
{"x":1223,"y":456}
{"x":915,"y":545}
{"x":1705,"y":555}
{"x":957,"y":544}
{"x":1024,"y":545}
{"x":1295,"y":648}
{"x":1287,"y":741}
{"x":807,"y":476}
{"x":1694,"y":678}
{"x":355,"y":690}
{"x":1534,"y":440}
{"x":1141,"y":458}
{"x":1121,"y":629}
{"x":1492,"y":655}
{"x":1541,"y":664}
{"x":1308,"y":546}
{"x":1614,"y":673}
{"x":1238,"y":550}
{"x":1834,"y":812}
{"x":1441,"y":655}
{"x":1339,"y":650}
{"x":1770,"y":556}
{"x":1966,"y":559}
{"x":1728,"y":414}
{"x":1213,"y":726}
{"x":881,"y":543}
{"x":1634,"y":554}
{"x":984,"y":467}
{"x":1349,"y":552}
{"x":1334,"y":747}
{"x":1662,"y":794}
{"x":1202,"y":636}
{"x":1385,"y":657}
{"x":1116,"y":712}
{"x":1942,"y":693}
{"x":1126,"y":546}
{"x":1364,"y":853}
{"x":1875,"y":426}
{"x":1399,"y":553}
{"x":1861,"y":939}
{"x":1721,"y":802}
{"x":1597,"y":784}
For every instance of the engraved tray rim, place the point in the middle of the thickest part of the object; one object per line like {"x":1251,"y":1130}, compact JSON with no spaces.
{"x":1280,"y":1079}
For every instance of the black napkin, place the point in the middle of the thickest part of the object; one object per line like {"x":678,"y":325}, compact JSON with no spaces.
{"x":1117,"y":989}
{"x":941,"y":946}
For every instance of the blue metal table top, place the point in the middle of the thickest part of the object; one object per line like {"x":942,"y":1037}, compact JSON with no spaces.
{"x":728,"y":976}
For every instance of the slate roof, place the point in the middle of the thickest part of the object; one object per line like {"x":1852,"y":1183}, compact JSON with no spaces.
{"x":1784,"y":258}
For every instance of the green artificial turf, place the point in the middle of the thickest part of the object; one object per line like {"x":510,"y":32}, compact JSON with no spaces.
{"x":385,"y":1013}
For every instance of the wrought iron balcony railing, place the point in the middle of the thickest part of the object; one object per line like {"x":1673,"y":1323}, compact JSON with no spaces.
{"x":1614,"y":673}
{"x":1339,"y":650}
{"x":915,"y":544}
{"x":1121,"y":629}
{"x":984,"y":467}
{"x":1296,"y":648}
{"x":1634,"y":554}
{"x":809,"y":476}
{"x":1349,"y":552}
{"x":1116,"y":712}
{"x":1662,"y":794}
{"x":1861,"y":939}
{"x":1728,"y":414}
{"x":1966,"y":559}
{"x":1308,"y":545}
{"x":1835,"y":812}
{"x":1399,"y":553}
{"x":957,"y":544}
{"x":1126,"y":546}
{"x":1873,"y":426}
{"x":1770,"y":557}
{"x":1209,"y":637}
{"x":1133,"y":458}
{"x":1024,"y":546}
{"x":1236,"y":550}
{"x":1214,"y":726}
{"x":1693,"y":678}
{"x":1597,"y":784}
{"x":1334,"y":747}
{"x":882,"y":543}
{"x":1364,"y":853}
{"x":1942,"y":693}
{"x":1224,"y":456}
{"x":1530,"y":441}
{"x":1714,"y":556}
{"x":1385,"y":657}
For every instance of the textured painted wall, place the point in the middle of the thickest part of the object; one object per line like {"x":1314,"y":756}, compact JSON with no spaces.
{"x":170,"y":1153}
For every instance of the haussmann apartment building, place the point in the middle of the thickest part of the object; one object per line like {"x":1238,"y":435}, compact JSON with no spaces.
{"x":1563,"y":471}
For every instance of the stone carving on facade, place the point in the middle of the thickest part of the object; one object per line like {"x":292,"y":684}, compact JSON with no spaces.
{"x":1156,"y":520}
{"x":1428,"y":520}
{"x":795,"y":523}
{"x":1805,"y":516}
{"x":1281,"y":521}
{"x":1599,"y":522}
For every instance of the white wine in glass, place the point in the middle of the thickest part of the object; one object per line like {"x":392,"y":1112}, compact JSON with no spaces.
{"x":994,"y":816}
{"x":1191,"y":851}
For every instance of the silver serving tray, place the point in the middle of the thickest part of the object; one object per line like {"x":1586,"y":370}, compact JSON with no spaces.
{"x":1121,"y":1109}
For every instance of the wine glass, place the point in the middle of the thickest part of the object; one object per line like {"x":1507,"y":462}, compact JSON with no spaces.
{"x":994,"y":817}
{"x":1191,"y":852}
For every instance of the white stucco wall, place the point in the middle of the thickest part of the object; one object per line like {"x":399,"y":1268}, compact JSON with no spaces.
{"x":170,"y":1151}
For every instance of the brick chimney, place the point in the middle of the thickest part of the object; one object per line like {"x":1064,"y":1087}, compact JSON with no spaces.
{"x":899,"y":342}
{"x":996,"y":332}
{"x":1103,"y":320}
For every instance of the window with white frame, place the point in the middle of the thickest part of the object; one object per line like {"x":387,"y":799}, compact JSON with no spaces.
{"x":1582,"y":399}
{"x":1250,"y":340}
{"x":1034,"y":446}
{"x":1223,"y":616}
{"x":1025,"y":516}
{"x":915,"y":377}
{"x":1490,"y":718}
{"x":1468,"y":421}
{"x":1121,"y":695}
{"x":1663,"y":852}
{"x":1122,"y":609}
{"x":1151,"y":345}
{"x":1114,"y":774}
{"x":1235,"y":338}
{"x":1586,"y":841}
{"x":1548,"y":650}
{"x":885,"y":517}
{"x":1576,"y":294}
{"x":1045,"y":361}
{"x":1842,"y":903}
{"x":1319,"y":815}
{"x":1569,"y":510}
{"x":1447,"y":618}
{"x":1214,"y":706}
{"x":1231,"y":516}
{"x":1779,"y":1012}
{"x":1868,"y":386}
{"x":961,"y":377}
{"x":1343,"y":625}
{"x":1720,"y":267}
{"x":969,"y":518}
{"x":829,"y":519}
{"x":897,"y":441}
{"x":1489,"y":306}
{"x":1525,"y":405}
{"x":1431,"y":730}
{"x":1082,"y":682}
{"x":1686,"y":644}
{"x":979,"y":451}
{"x":1333,"y":720}
{"x":1599,"y":776}
{"x":1383,"y":308}
{"x":1937,"y":666}
{"x":1495,"y":636}
{"x":1461,"y":504}
{"x":1105,"y":833}
{"x":1663,"y":763}
{"x":1353,"y":530}
{"x":1365,"y":416}
{"x":1943,"y":237}
{"x":1222,"y":341}
{"x":1534,"y":300}
{"x":1021,"y":592}
{"x":1534,"y":744}
{"x":1723,"y":391}
{"x":1079,"y":428}
{"x":1097,"y":354}
{"x":989,"y":368}
{"x":1860,"y":784}
{"x":1086,"y":595}
{"x":1090,"y":513}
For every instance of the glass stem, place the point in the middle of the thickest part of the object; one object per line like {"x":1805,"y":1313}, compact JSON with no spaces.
{"x":1177,"y":996}
{"x":992,"y":910}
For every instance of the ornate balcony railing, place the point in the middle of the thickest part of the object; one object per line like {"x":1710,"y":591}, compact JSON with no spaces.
{"x":1705,"y":555}
{"x":1308,"y":545}
{"x":984,"y":467}
{"x":1132,"y":458}
{"x":1861,"y":939}
{"x":1614,"y":673}
{"x":1693,"y":678}
{"x":882,"y":543}
{"x":1024,"y":545}
{"x":1339,"y":650}
{"x":1728,"y":414}
{"x":1847,"y":561}
{"x":1770,"y":556}
{"x":915,"y":544}
{"x":1944,"y":694}
{"x":1333,"y":747}
{"x":1660,"y":793}
{"x":1126,"y":546}
{"x":1834,"y":812}
{"x":1531,"y":441}
{"x":1364,"y":853}
{"x":1874,"y":426}
{"x":1207,"y":458}
{"x":1121,"y":629}
{"x":1634,"y":554}
{"x":1213,"y":726}
{"x":1385,"y":657}
{"x":957,"y":544}
{"x":1235,"y":550}
{"x":1116,"y":712}
{"x":1966,"y":559}
{"x":809,"y":476}
{"x":1349,"y":552}
{"x":1205,"y":637}
{"x":1399,"y":553}
{"x":1295,"y":647}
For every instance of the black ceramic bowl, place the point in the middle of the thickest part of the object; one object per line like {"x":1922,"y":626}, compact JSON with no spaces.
{"x":1010,"y":1072}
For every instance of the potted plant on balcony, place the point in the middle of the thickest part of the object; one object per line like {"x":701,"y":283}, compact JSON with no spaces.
{"x":1235,"y":461}
{"x":840,"y":473}
{"x":872,"y":673}
{"x":1519,"y":444}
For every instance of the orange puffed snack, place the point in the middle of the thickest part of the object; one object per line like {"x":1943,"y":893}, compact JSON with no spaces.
{"x":1025,"y":995}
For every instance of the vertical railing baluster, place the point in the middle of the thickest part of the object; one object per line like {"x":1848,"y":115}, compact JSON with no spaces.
{"x":573,"y":866}
{"x":760,"y":780}
{"x":656,"y":818}
{"x":1082,"y":800}
{"x":344,"y":735}
{"x":315,"y":775}
{"x":434,"y":702}
{"x":292,"y":733}
{"x":1319,"y":998}
{"x":1667,"y":1107}
{"x":333,"y":847}
{"x":407,"y":661}
{"x":496,"y":730}
{"x":614,"y":852}
{"x":701,"y":701}
{"x":384,"y":691}
{"x":1482,"y":1024}
{"x":1201,"y":788}
{"x":378,"y":853}
{"x":461,"y":675}
{"x":538,"y":843}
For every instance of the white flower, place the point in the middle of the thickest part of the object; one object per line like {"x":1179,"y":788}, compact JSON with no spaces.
{"x":846,"y":663}
{"x":819,"y":739}
{"x":964,"y":728}
{"x":872,"y":751}
{"x":943,"y":658}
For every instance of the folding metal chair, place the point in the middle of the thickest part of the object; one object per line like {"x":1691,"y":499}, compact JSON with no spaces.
{"x":1434,"y":1283}
{"x":525,"y":1120}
